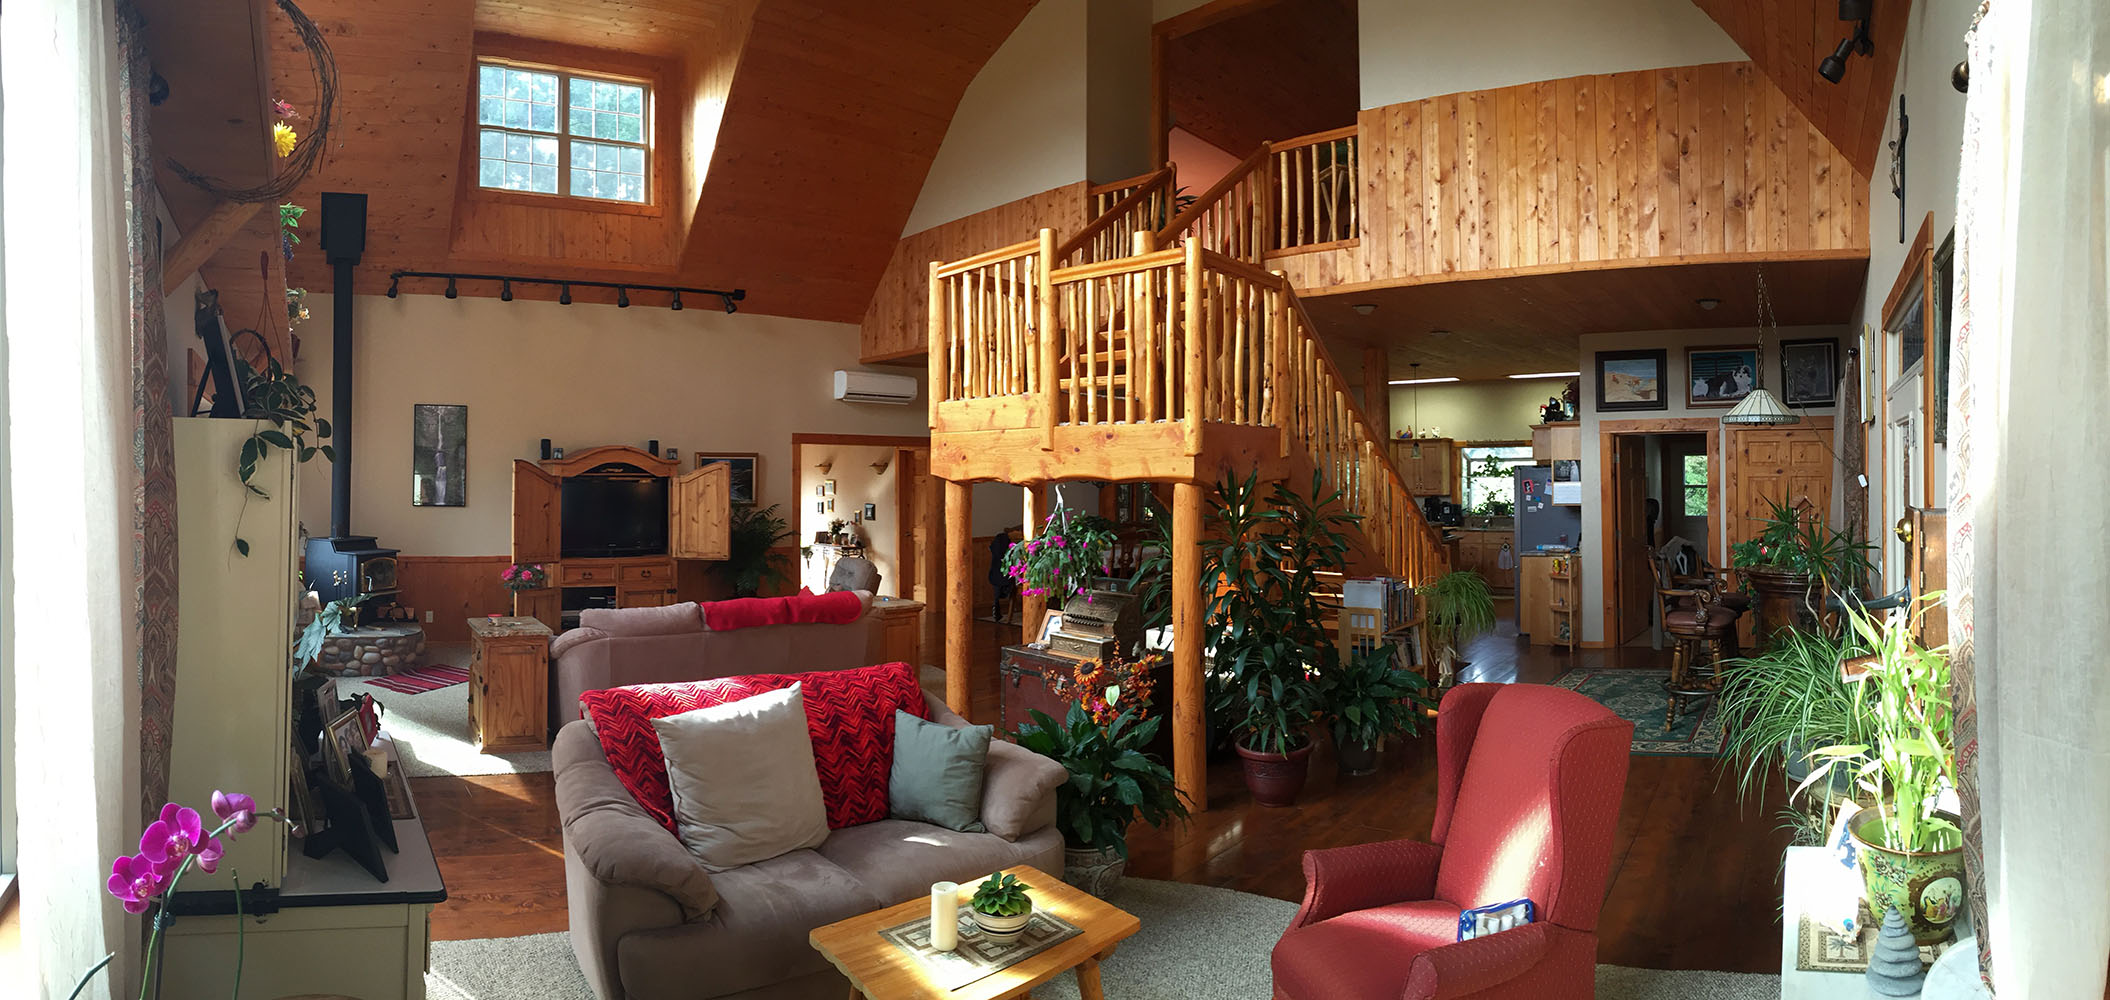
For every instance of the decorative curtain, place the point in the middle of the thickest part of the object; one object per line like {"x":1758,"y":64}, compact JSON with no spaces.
{"x":74,"y":437}
{"x":2029,"y":466}
{"x":153,"y":449}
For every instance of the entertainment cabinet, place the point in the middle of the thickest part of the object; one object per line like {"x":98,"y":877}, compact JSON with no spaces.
{"x":698,"y":527}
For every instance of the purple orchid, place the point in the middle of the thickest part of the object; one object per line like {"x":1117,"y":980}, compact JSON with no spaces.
{"x":137,"y":881}
{"x":235,"y":806}
{"x":178,"y":834}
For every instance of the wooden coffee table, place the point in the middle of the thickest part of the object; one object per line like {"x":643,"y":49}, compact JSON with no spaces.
{"x":879,"y":971}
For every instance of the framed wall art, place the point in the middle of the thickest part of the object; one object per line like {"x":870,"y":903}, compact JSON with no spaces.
{"x":1630,"y":380}
{"x":439,"y":455}
{"x":1809,"y":372}
{"x":1719,"y":376}
{"x":744,"y":485}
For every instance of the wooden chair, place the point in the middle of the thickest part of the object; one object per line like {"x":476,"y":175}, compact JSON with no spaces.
{"x":1702,"y":627}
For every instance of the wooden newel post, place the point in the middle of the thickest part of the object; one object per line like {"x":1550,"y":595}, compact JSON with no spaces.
{"x":959,"y":597}
{"x":1190,"y":757}
{"x":1032,"y":608}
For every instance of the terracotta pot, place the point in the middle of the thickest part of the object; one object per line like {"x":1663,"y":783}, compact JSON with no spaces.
{"x":1273,"y":778}
{"x":1092,"y":869}
{"x":1785,"y":600}
{"x":1925,"y":886}
{"x":1356,"y":758}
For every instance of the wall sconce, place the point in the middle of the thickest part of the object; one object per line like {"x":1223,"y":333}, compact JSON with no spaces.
{"x":826,"y":465}
{"x":879,"y":468}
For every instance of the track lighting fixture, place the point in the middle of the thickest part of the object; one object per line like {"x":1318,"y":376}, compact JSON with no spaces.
{"x":676,"y":304}
{"x":729,"y":296}
{"x":1833,"y":67}
{"x":392,"y":286}
{"x":450,"y":288}
{"x":565,"y":298}
{"x":731,"y":302}
{"x":505,"y":291}
{"x":622,"y":297}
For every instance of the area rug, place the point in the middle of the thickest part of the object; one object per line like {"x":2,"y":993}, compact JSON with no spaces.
{"x":1637,"y":696}
{"x":1196,"y":941}
{"x":431,"y":728}
{"x":422,"y":679}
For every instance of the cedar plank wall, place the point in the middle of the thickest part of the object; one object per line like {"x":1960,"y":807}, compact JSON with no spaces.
{"x":455,"y":589}
{"x":896,"y":323}
{"x":1709,"y":162}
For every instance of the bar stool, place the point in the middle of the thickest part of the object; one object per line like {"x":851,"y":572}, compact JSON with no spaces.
{"x":1702,"y":633}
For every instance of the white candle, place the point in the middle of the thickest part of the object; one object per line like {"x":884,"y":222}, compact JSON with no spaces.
{"x":945,"y":915}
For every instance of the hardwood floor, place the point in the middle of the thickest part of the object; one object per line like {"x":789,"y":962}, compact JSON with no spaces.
{"x":1695,"y":882}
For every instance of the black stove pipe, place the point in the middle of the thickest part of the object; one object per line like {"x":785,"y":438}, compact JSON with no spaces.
{"x":343,"y":242}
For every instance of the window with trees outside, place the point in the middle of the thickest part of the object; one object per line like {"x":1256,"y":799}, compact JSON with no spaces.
{"x":1490,"y":478}
{"x":1695,"y":485}
{"x":545,"y":131}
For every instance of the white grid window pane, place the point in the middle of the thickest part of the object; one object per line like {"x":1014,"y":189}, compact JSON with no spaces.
{"x":516,"y":162}
{"x":516,"y":98}
{"x":600,"y":170}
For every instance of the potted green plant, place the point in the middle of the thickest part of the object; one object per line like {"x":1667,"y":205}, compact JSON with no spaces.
{"x":751,"y":559}
{"x":1066,"y":560}
{"x":1112,"y":783}
{"x":1457,"y":608}
{"x":1001,"y":908}
{"x":1793,"y":560}
{"x":1910,"y":854}
{"x":1367,"y":698}
{"x":1783,"y":702}
{"x":1266,"y":623}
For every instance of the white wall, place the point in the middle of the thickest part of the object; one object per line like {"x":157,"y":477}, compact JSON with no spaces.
{"x":1411,"y":49}
{"x":856,"y":483}
{"x":581,"y":375}
{"x":1674,"y":343}
{"x":1500,"y":410}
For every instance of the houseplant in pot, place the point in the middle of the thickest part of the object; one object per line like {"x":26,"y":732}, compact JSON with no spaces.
{"x":1792,"y":562}
{"x":1910,"y":855}
{"x":1001,"y":908}
{"x":1266,"y":623}
{"x":752,"y":560}
{"x":1458,"y":608}
{"x":1366,"y":698}
{"x":1112,"y":782}
{"x":1782,"y":703}
{"x":1065,"y":560}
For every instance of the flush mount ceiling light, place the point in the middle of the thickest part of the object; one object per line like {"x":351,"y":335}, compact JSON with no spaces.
{"x":1548,"y":375}
{"x":1423,"y":381}
{"x":1761,"y":408}
{"x":1364,"y":308}
{"x":1707,"y":304}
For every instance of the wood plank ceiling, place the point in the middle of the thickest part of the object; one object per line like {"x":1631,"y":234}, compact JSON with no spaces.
{"x":1788,"y":38}
{"x":1276,"y":71}
{"x":828,"y":114}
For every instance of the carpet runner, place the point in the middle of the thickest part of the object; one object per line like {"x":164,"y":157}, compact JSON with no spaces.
{"x":421,"y":680}
{"x":1637,"y":696}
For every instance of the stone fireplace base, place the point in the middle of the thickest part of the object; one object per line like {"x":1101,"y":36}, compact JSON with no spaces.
{"x":372,"y":650}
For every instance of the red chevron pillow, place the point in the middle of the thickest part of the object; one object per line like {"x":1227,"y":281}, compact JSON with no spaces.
{"x":849,"y":715}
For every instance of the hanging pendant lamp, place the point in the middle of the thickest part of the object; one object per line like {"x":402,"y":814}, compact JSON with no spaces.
{"x":1761,"y":408}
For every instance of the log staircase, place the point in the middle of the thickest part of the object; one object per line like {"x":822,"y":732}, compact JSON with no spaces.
{"x":1103,"y":357}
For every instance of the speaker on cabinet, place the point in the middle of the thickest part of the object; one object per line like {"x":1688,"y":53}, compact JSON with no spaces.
{"x":545,"y":449}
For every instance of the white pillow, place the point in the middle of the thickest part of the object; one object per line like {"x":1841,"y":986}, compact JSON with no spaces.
{"x":745,"y":788}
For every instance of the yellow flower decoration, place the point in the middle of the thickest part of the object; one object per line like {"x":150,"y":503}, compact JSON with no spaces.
{"x":283,"y":137}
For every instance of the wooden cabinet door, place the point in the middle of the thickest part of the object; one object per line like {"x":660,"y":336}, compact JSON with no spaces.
{"x":1784,"y":466}
{"x":512,"y":679}
{"x":537,"y":514}
{"x":699,"y":510}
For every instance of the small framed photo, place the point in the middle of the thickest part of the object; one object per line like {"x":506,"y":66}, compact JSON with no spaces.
{"x":301,"y":805}
{"x":1719,"y":376}
{"x":1809,"y":372}
{"x":343,"y":741}
{"x":326,"y":700}
{"x":1049,"y":624}
{"x":743,"y":486}
{"x":1630,"y":380}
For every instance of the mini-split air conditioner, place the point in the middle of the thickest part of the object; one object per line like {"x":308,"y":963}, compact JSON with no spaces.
{"x":874,"y":387}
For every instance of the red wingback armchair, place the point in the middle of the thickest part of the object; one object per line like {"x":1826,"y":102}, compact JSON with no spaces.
{"x":1528,"y":782}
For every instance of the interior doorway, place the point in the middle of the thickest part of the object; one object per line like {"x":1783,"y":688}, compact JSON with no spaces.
{"x":1660,"y":490}
{"x":878,"y":488}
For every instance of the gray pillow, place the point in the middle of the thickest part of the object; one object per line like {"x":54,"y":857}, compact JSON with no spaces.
{"x":938,"y":772}
{"x":745,"y":788}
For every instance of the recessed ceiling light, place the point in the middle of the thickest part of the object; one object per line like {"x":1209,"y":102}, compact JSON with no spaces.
{"x":1364,"y":308}
{"x":1548,"y":375}
{"x":1423,"y":381}
{"x":1707,"y":304}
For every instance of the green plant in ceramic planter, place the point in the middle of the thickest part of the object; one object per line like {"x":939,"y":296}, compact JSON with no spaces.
{"x":1112,"y":781}
{"x":1002,"y":895}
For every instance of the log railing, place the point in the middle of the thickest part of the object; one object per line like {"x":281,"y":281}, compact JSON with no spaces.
{"x":988,"y":324}
{"x":1234,"y":216}
{"x":1317,"y":197}
{"x":1119,"y":211}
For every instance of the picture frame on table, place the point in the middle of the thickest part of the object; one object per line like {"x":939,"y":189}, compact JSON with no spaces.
{"x":1631,"y":380}
{"x":743,"y":486}
{"x":1720,"y":376}
{"x":302,"y":807}
{"x":1050,"y":623}
{"x":1809,"y":372}
{"x":342,"y":744}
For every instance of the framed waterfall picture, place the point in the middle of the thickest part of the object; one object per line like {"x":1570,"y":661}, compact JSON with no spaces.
{"x":439,"y":455}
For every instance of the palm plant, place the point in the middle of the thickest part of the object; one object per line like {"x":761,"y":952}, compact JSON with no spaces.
{"x":751,"y":558}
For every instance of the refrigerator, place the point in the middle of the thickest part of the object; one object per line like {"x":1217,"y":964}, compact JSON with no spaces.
{"x":1540,"y":521}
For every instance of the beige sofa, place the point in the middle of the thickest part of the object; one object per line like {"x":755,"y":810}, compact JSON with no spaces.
{"x":618,"y":648}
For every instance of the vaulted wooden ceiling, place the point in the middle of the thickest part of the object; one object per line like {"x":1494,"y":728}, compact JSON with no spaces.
{"x":1271,"y":71}
{"x":1787,"y":39}
{"x":807,"y":129}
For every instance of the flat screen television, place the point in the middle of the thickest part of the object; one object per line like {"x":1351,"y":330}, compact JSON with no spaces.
{"x":609,"y":516}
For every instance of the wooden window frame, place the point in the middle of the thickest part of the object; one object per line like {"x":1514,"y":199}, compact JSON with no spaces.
{"x":662,"y":125}
{"x":1918,"y":266}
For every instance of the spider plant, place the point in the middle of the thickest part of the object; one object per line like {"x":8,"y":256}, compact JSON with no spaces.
{"x":1459,"y":608}
{"x":1786,"y":701}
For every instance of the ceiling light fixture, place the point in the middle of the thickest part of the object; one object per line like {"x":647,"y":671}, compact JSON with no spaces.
{"x":1439,"y":333}
{"x":1707,"y":304}
{"x":1760,"y":408}
{"x":564,"y":298}
{"x":622,"y":297}
{"x":391,"y":287}
{"x":1548,"y":375}
{"x":1364,"y":308}
{"x":505,"y":291}
{"x":676,"y":305}
{"x":450,"y":288}
{"x":1423,"y":381}
{"x":1833,"y":67}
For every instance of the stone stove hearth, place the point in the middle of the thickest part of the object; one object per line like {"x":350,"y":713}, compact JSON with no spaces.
{"x":373,"y":650}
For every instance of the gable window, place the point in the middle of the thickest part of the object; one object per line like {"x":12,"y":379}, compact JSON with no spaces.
{"x":575,"y":135}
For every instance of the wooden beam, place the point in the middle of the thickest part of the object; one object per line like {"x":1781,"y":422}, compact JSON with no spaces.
{"x":1377,"y":391}
{"x":225,"y":219}
{"x":959,"y":596}
{"x":1190,"y":750}
{"x":1033,"y":606}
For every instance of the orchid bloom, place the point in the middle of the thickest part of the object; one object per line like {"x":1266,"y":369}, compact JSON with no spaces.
{"x":179,"y":833}
{"x":235,"y":806}
{"x":136,"y":880}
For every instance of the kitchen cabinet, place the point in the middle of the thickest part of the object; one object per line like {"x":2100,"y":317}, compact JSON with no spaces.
{"x":1557,"y":442}
{"x":1480,"y":551}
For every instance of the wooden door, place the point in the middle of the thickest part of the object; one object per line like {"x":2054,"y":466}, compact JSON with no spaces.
{"x":921,"y":504}
{"x":910,"y":565}
{"x":537,"y":514}
{"x":1928,"y":570}
{"x":1629,"y":545}
{"x":1792,"y":466}
{"x":699,"y":514}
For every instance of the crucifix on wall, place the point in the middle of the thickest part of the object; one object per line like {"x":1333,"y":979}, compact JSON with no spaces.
{"x":1897,"y":165}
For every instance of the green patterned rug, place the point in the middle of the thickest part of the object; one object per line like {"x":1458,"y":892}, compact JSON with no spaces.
{"x":1637,"y":696}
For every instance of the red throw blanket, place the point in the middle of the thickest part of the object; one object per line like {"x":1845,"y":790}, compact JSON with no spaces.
{"x":838,"y":608}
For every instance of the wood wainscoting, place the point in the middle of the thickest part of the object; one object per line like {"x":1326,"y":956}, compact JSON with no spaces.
{"x":455,"y":589}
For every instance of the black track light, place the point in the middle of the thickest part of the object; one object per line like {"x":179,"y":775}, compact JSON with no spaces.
{"x":565,"y":298}
{"x":731,"y":306}
{"x":1833,"y":68}
{"x":676,"y":304}
{"x":622,"y":297}
{"x":391,"y":286}
{"x":450,"y":288}
{"x":505,"y":291}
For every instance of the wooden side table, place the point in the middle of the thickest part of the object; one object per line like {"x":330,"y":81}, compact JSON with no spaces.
{"x":899,"y":635}
{"x":508,"y":684}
